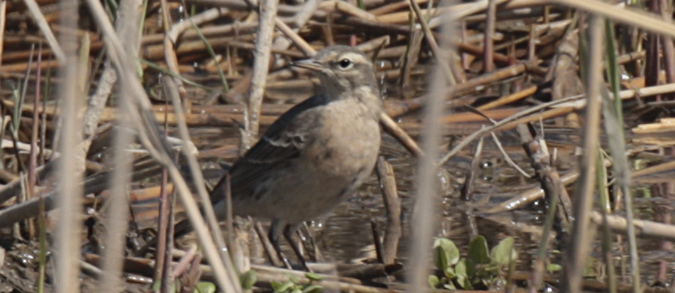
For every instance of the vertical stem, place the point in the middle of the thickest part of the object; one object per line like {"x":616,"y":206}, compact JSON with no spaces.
{"x":263,"y":47}
{"x":117,"y":218}
{"x":488,"y":49}
{"x":581,"y":236}
{"x":3,"y":14}
{"x":70,"y":191}
{"x":425,"y":212}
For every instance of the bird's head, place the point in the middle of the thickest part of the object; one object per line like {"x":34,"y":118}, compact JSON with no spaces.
{"x":343,"y":71}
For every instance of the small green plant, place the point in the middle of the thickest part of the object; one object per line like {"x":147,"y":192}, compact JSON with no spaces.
{"x":482,"y":268}
{"x":248,"y":279}
{"x":205,"y":287}
{"x":293,"y":285}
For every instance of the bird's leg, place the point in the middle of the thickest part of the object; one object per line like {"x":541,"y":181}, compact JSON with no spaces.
{"x":275,"y":231}
{"x":288,"y":233}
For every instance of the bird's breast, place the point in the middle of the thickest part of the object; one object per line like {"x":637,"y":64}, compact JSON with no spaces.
{"x":347,"y":142}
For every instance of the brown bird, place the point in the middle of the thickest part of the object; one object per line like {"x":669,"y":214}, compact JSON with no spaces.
{"x":316,"y":154}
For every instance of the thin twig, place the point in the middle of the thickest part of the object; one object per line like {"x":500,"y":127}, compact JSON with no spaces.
{"x":391,"y":127}
{"x":442,"y":61}
{"x":46,"y":29}
{"x":300,"y":19}
{"x":467,"y":140}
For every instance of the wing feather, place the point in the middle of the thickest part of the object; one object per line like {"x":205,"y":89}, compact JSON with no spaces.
{"x":275,"y":150}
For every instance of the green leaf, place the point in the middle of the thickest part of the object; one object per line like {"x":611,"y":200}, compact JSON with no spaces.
{"x":478,"y":251}
{"x":296,"y":290}
{"x":313,"y":289}
{"x":314,"y":276}
{"x":449,"y":273}
{"x":205,"y":287}
{"x":446,"y":253}
{"x":433,"y":281}
{"x":462,"y":276}
{"x":293,"y":279}
{"x":470,"y":267}
{"x":553,"y":267}
{"x":285,"y":287}
{"x":503,"y":253}
{"x":248,"y":279}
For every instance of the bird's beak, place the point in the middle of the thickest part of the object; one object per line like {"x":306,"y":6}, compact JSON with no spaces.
{"x":310,"y":64}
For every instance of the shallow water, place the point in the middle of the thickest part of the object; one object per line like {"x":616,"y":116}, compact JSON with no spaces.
{"x":345,"y":235}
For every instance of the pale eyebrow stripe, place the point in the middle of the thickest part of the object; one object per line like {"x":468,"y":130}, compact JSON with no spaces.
{"x":356,"y":58}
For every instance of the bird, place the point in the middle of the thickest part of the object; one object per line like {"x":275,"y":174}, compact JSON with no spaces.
{"x":315,"y":155}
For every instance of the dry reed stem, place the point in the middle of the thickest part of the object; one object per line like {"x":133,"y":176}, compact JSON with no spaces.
{"x":580,"y":242}
{"x":3,"y":21}
{"x":441,"y":59}
{"x":667,"y":44}
{"x":96,"y":105}
{"x":466,"y":193}
{"x":267,"y":245}
{"x":425,"y":210}
{"x":488,"y":43}
{"x":347,"y":9}
{"x":116,"y":222}
{"x":95,"y":184}
{"x":151,"y":139}
{"x":294,"y":37}
{"x":394,"y":6}
{"x":69,"y":229}
{"x":263,"y":44}
{"x":46,"y":30}
{"x":510,"y":98}
{"x":647,"y":228}
{"x":640,"y":19}
{"x":32,"y":166}
{"x":392,"y":204}
{"x":391,"y":127}
{"x":170,"y":56}
{"x":195,"y":171}
{"x":507,"y":158}
{"x":179,"y":28}
{"x":34,"y":150}
{"x":556,"y":195}
{"x":467,"y":140}
{"x":529,"y":196}
{"x":300,"y":19}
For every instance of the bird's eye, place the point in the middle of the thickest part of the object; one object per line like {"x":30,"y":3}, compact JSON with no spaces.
{"x":345,"y":63}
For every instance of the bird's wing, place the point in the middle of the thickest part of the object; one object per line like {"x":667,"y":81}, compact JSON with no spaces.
{"x":276,"y":148}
